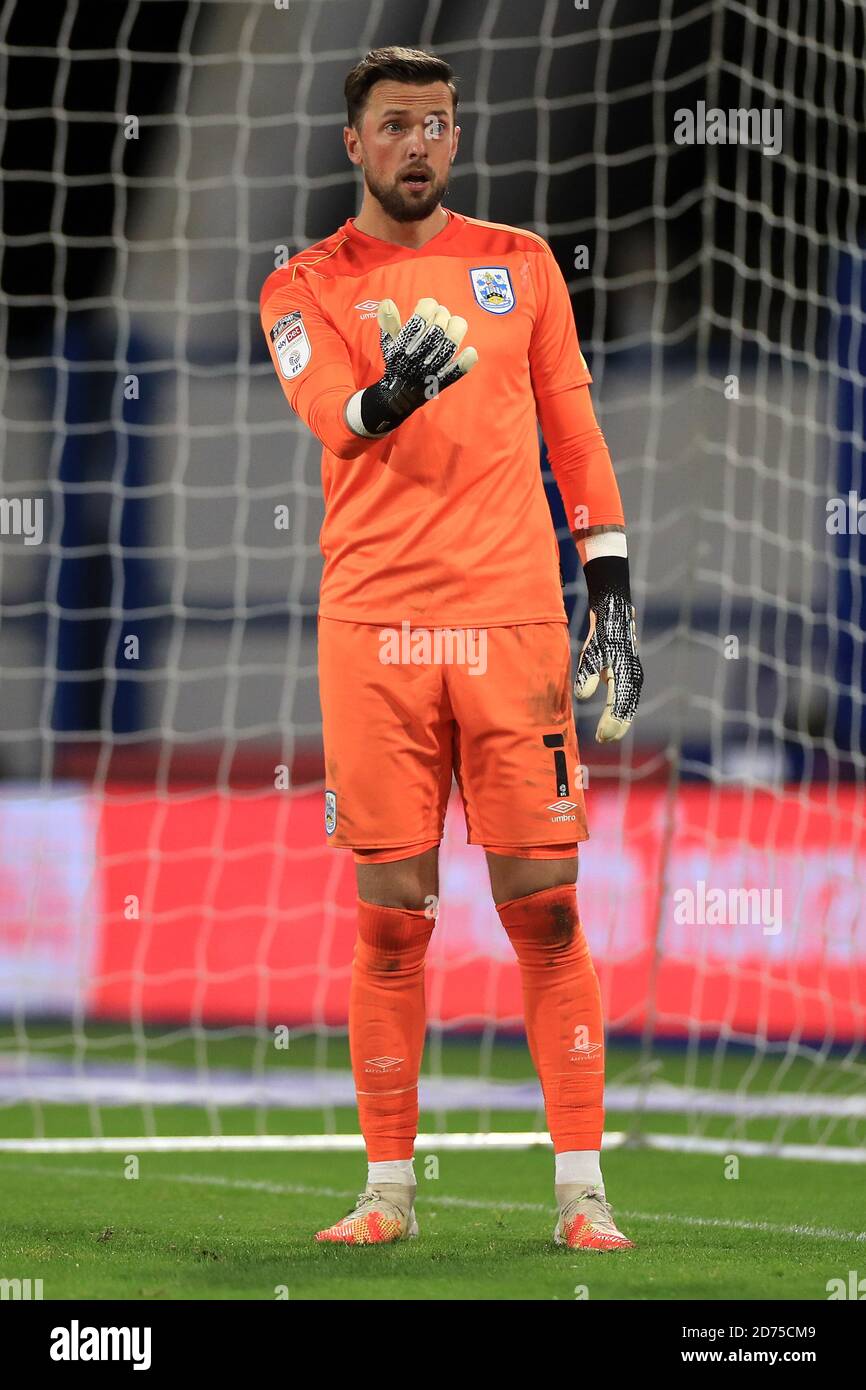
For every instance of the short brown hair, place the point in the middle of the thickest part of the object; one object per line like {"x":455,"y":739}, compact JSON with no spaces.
{"x":398,"y":65}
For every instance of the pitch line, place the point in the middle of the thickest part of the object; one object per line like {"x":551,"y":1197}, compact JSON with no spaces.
{"x":513,"y":1140}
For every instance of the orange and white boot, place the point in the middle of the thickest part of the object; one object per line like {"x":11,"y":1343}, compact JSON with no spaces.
{"x":381,"y":1214}
{"x":586,"y":1220}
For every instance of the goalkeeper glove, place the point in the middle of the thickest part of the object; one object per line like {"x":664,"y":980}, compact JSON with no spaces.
{"x":610,"y":650}
{"x":420,"y":361}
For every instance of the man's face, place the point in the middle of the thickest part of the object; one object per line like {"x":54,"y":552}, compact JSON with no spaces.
{"x":406,"y":143}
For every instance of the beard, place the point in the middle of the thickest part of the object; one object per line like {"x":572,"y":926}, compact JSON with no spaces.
{"x":401,"y":204}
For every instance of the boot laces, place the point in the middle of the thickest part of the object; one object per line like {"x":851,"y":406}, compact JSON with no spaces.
{"x":593,"y":1205}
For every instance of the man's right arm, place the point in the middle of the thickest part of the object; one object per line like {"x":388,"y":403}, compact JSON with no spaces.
{"x":421,"y":358}
{"x":312,"y":363}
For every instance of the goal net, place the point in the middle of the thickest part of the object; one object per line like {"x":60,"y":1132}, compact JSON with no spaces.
{"x":175,"y":935}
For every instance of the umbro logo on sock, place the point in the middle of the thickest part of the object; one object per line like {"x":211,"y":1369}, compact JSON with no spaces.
{"x":383,"y":1063}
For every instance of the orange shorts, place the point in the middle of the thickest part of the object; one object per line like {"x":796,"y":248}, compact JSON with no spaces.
{"x":402,"y":708}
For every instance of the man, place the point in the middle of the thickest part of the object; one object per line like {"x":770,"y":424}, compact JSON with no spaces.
{"x":437,"y":526}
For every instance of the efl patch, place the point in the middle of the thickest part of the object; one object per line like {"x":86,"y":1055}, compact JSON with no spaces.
{"x":291,"y":344}
{"x":330,"y":812}
{"x":492,"y":287}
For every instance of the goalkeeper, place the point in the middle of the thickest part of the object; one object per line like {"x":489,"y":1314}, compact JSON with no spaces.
{"x":436,"y":520}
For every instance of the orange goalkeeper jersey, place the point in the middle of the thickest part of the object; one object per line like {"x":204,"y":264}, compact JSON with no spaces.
{"x":444,"y":522}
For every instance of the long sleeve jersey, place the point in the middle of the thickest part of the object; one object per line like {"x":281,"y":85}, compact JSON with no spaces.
{"x":444,"y":522}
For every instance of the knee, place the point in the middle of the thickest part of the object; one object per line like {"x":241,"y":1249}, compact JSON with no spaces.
{"x":407,"y":895}
{"x":513,"y":877}
{"x":392,"y":940}
{"x":546,"y":921}
{"x":408,"y":884}
{"x":559,"y":923}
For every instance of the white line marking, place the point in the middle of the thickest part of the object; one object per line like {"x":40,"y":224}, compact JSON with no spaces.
{"x":461,"y":1143}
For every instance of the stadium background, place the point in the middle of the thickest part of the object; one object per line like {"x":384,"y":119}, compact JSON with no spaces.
{"x":153,"y":871}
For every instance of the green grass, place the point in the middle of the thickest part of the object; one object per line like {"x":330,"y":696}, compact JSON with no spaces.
{"x":239,"y":1226}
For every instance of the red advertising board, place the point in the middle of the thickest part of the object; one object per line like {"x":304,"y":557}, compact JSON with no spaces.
{"x":711,"y":909}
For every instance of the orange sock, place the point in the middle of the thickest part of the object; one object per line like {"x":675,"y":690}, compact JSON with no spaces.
{"x":387,"y":1020}
{"x":562,"y":1008}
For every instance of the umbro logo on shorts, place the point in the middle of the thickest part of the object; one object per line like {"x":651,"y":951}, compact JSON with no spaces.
{"x":564,"y":810}
{"x":368,"y":308}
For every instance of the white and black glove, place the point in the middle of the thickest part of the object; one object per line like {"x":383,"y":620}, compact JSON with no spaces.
{"x":610,"y":650}
{"x":421,"y":359}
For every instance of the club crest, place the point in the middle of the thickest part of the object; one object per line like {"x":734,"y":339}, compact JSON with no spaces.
{"x":492,"y":287}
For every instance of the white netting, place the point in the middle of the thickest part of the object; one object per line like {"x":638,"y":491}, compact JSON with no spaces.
{"x":169,"y":897}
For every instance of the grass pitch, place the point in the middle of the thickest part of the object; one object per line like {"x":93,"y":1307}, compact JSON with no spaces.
{"x":241,"y":1225}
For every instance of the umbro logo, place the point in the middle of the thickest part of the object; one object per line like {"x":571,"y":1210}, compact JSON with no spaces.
{"x":586,"y":1049}
{"x":368,"y":308}
{"x":382,"y":1063}
{"x":562,"y":806}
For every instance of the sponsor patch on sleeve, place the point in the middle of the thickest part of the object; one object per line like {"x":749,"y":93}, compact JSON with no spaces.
{"x":291,"y":344}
